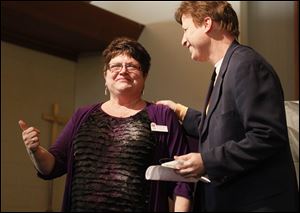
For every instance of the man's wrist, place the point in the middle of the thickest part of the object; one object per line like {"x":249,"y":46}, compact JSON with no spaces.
{"x":180,"y":111}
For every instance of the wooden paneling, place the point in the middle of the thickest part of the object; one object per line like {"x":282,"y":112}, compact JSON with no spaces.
{"x":63,"y":28}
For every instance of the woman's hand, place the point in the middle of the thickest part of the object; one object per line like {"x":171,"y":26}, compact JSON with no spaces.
{"x":30,"y":136}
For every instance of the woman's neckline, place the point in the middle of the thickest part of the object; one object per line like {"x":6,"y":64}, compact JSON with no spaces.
{"x":122,"y":111}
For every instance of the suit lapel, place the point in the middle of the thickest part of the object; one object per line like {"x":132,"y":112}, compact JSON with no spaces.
{"x":216,"y":93}
{"x":215,"y":96}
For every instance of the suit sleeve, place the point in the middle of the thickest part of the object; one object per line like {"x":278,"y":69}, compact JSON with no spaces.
{"x":191,"y":122}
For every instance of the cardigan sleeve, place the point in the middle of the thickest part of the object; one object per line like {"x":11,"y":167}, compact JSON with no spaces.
{"x":62,"y":148}
{"x":175,"y":141}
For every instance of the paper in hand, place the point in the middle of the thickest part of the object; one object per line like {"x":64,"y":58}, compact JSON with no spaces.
{"x":172,"y":164}
{"x":165,"y":172}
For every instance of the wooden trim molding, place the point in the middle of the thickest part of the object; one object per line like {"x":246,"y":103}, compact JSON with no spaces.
{"x":63,"y":28}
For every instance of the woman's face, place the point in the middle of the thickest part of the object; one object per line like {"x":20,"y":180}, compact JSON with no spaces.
{"x":124,"y":76}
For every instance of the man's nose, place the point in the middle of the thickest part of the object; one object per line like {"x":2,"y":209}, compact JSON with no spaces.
{"x":184,"y":41}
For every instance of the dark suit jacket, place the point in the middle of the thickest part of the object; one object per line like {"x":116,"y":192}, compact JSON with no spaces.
{"x":244,"y":140}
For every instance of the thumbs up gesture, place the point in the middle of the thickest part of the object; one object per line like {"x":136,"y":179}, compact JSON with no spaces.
{"x":30,"y":136}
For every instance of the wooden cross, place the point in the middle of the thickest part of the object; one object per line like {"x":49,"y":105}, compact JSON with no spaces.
{"x":55,"y":120}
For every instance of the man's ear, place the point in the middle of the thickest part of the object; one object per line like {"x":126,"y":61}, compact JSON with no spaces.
{"x":207,"y":23}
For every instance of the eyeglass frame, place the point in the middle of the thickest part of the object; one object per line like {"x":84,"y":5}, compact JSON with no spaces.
{"x":129,"y":67}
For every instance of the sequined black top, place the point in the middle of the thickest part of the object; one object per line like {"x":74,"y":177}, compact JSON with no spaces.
{"x":167,"y":144}
{"x":111,"y":157}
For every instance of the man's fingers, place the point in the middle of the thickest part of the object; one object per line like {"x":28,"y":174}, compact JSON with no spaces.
{"x":182,"y":157}
{"x":23,"y":125}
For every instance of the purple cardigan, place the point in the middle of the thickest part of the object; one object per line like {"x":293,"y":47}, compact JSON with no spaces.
{"x":169,"y":144}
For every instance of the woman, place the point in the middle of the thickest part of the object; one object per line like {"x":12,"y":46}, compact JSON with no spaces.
{"x":106,"y":148}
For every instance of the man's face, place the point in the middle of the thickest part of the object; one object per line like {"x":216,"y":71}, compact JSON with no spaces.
{"x":195,"y":38}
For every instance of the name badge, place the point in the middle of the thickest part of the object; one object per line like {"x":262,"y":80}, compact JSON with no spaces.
{"x":158,"y":128}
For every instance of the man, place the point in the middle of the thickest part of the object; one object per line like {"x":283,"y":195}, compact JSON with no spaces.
{"x":243,"y":140}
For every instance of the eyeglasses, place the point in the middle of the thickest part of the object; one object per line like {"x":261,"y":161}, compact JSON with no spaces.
{"x":116,"y":68}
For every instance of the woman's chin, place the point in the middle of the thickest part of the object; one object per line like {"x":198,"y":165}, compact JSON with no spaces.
{"x":123,"y":89}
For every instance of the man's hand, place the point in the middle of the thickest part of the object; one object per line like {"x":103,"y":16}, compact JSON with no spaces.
{"x":192,"y":165}
{"x":168,"y":103}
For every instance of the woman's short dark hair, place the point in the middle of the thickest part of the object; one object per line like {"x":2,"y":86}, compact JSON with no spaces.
{"x":130,"y":47}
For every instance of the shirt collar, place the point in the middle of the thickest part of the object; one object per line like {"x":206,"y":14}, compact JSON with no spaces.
{"x":217,"y":68}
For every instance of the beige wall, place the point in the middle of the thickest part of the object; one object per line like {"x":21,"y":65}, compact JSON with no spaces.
{"x":31,"y":81}
{"x":173,"y":74}
{"x":89,"y":80}
{"x":270,"y":32}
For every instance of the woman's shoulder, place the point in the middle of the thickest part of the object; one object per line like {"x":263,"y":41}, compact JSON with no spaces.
{"x":83,"y":110}
{"x":159,"y":112}
{"x":88,"y":107}
{"x":158,"y":108}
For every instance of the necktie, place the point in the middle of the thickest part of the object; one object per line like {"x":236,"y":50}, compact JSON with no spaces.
{"x":211,"y":86}
{"x":210,"y":89}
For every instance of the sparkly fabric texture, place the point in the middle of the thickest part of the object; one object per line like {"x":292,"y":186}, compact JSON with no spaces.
{"x":111,"y":157}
